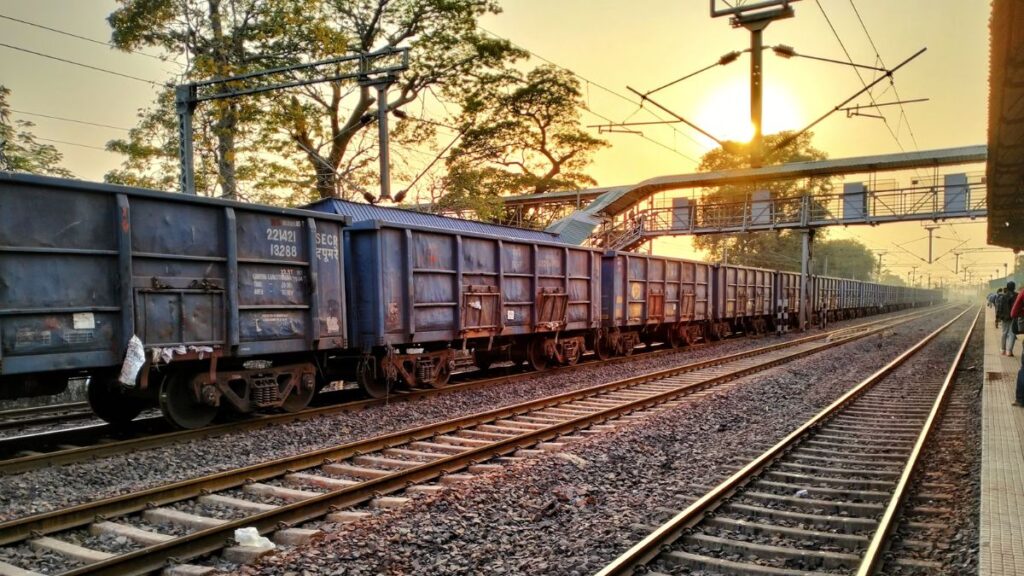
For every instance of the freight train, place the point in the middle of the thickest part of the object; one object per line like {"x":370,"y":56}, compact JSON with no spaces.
{"x":199,"y":305}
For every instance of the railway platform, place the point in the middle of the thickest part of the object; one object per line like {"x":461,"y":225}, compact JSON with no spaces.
{"x":1002,"y":461}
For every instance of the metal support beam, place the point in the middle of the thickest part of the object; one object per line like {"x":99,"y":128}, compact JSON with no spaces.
{"x":185,"y":106}
{"x":756,"y":92}
{"x":806,"y":241}
{"x":382,"y":131}
{"x":378,"y":69}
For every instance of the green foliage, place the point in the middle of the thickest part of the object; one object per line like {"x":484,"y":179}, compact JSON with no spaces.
{"x":775,"y":248}
{"x":218,"y":38}
{"x":524,"y":133}
{"x":19,"y":149}
{"x":844,"y":259}
{"x":778,"y":249}
{"x":472,"y":193}
{"x":891,"y":279}
{"x":310,"y":142}
{"x":332,"y":126}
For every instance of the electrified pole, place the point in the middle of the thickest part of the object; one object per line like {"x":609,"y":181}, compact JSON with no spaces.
{"x":755,"y":17}
{"x":756,"y":92}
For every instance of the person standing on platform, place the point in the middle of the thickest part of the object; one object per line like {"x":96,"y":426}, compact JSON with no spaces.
{"x":1004,"y":312}
{"x":1017,"y":317}
{"x":993,"y":301}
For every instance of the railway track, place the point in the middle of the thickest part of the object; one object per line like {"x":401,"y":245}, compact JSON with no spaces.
{"x":61,"y":447}
{"x":40,"y":415}
{"x":65,"y":446}
{"x":187,"y":519}
{"x":823,"y":500}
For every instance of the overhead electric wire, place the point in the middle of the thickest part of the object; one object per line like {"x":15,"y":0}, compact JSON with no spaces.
{"x":66,"y":61}
{"x":27,"y":113}
{"x":87,"y":39}
{"x":606,"y":89}
{"x":896,"y":92}
{"x":72,"y":143}
{"x":864,"y":83}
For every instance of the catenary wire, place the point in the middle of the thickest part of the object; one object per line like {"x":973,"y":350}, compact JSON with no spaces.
{"x":859,"y":76}
{"x":878,"y":55}
{"x":66,"y":61}
{"x":27,"y":113}
{"x":72,"y":144}
{"x":87,"y":39}
{"x":602,"y":87}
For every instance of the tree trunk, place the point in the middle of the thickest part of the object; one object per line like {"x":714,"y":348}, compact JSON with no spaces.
{"x":227,"y":124}
{"x":225,"y":129}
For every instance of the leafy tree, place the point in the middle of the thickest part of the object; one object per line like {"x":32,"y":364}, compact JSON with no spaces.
{"x":522,"y":134}
{"x":19,"y":149}
{"x":219,"y":38}
{"x":771,"y":248}
{"x":844,"y":259}
{"x":891,"y":278}
{"x":332,"y":126}
{"x":321,"y":139}
{"x":471,"y":192}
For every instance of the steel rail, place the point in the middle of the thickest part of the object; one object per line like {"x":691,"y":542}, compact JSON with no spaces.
{"x":82,"y":453}
{"x":25,"y":417}
{"x":874,"y":555}
{"x":647,"y":549}
{"x":211,"y":539}
{"x":162,"y":438}
{"x":19,"y":412}
{"x":14,"y":530}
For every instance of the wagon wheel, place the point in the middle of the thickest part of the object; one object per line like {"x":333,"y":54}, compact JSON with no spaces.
{"x":675,"y":340}
{"x":601,"y":348}
{"x":376,"y":386}
{"x":444,"y":373}
{"x":109,"y":403}
{"x":301,"y":395}
{"x":536,"y":356}
{"x":180,"y":408}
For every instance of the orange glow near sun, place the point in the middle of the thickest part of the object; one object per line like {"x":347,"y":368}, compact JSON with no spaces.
{"x":725,"y":112}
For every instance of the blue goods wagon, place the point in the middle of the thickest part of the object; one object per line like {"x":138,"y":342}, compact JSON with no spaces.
{"x":743,"y":300}
{"x":188,"y":302}
{"x":423,"y":301}
{"x":648,"y":299}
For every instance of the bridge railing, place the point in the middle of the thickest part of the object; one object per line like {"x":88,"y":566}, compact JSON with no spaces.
{"x":923,"y":201}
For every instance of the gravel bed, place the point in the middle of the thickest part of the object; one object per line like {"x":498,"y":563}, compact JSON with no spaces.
{"x":570,"y":513}
{"x":111,"y":543}
{"x":23,"y":556}
{"x":953,"y":458}
{"x":49,"y":489}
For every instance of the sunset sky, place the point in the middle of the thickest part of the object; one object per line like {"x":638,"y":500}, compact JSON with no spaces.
{"x":611,"y":44}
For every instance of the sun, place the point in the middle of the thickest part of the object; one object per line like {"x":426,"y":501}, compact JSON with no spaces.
{"x":725,"y":112}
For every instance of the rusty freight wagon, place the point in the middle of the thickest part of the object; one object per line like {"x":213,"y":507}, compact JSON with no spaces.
{"x":744,"y":300}
{"x":187,"y":302}
{"x":423,"y":301}
{"x":648,"y":299}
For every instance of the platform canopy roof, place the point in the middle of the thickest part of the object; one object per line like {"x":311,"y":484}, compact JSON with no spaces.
{"x":1005,"y":170}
